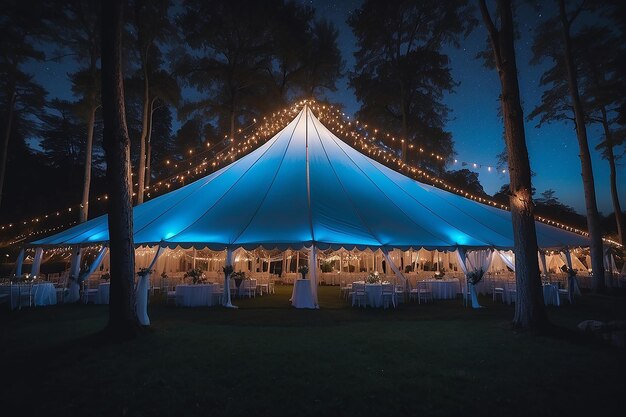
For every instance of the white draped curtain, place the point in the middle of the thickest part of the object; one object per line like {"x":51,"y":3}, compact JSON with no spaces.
{"x":508,"y":258}
{"x":474,"y":261}
{"x":143,"y":285}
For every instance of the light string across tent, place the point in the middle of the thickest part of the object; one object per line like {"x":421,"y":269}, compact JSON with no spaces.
{"x":277,"y":121}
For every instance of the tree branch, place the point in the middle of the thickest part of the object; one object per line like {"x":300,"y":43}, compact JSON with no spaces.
{"x":492,"y":31}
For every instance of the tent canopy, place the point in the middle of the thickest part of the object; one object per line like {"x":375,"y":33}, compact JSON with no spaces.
{"x":306,"y":186}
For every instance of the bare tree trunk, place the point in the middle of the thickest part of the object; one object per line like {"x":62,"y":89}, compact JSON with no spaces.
{"x":530,"y":310}
{"x":84,"y":207}
{"x":593,"y":218}
{"x":123,"y":320}
{"x":149,"y":147}
{"x":610,"y":156}
{"x":405,"y":128}
{"x":232,"y":125}
{"x":144,"y":133}
{"x":5,"y":144}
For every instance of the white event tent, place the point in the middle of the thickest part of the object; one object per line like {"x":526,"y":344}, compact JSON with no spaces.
{"x":307,"y":188}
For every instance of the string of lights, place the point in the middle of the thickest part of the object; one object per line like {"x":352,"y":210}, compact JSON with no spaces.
{"x":359,"y":134}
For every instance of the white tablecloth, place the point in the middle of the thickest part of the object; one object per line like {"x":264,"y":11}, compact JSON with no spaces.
{"x":444,"y":289}
{"x":102,"y":297}
{"x":551,"y":295}
{"x":200,"y":295}
{"x":373,"y":293}
{"x":302,"y":295}
{"x":44,"y":294}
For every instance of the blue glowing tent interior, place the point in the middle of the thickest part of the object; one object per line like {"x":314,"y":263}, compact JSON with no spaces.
{"x":306,"y":186}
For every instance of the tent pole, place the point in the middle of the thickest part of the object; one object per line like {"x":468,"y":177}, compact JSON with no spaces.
{"x":34,"y":272}
{"x":313,"y":272}
{"x":19,"y":263}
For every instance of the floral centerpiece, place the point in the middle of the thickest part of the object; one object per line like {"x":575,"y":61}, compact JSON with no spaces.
{"x":569,"y":271}
{"x":196,"y":275}
{"x":164,"y":275}
{"x":304,"y":269}
{"x":440,"y":274}
{"x":238,"y":277}
{"x":106,"y":276}
{"x":475,"y":276}
{"x":144,"y":271}
{"x":373,"y":278}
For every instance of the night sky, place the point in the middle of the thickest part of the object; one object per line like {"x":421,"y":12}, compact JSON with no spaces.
{"x":476,"y":129}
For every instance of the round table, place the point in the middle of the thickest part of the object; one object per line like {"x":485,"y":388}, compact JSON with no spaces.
{"x":444,"y":289}
{"x":373,"y":294}
{"x":551,"y":295}
{"x":44,"y":294}
{"x":302,"y":294}
{"x":200,"y":295}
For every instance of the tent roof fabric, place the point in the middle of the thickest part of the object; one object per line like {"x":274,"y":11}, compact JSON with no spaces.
{"x":306,"y":186}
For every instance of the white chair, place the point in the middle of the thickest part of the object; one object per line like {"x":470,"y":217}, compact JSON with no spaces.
{"x":388,"y":295}
{"x":344,"y":289}
{"x":249,"y":288}
{"x":89,"y":292}
{"x":497,"y":291}
{"x":358,"y":295}
{"x":24,"y":292}
{"x":424,"y":292}
{"x":511,"y":290}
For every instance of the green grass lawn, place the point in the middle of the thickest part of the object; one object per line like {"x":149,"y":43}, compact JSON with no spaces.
{"x":267,"y":359}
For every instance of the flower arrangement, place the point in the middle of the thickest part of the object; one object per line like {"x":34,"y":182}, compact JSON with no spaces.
{"x":144,"y":271}
{"x":475,"y":276}
{"x":440,"y":274}
{"x":228,"y":269}
{"x":373,"y":277}
{"x":164,"y":275}
{"x":105,"y":277}
{"x":304,"y":269}
{"x":196,"y":275}
{"x":569,"y":271}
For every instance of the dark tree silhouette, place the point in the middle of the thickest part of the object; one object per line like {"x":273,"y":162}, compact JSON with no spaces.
{"x":563,"y":100}
{"x":20,"y":96}
{"x":74,"y":26}
{"x":123,"y":320}
{"x":401,"y":72}
{"x":530,"y":310}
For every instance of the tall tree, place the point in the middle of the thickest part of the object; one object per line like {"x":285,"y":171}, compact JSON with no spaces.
{"x":231,"y":43}
{"x":603,"y":82}
{"x":123,"y":320}
{"x":402,"y":73}
{"x":20,"y":96}
{"x":530,"y":310}
{"x":554,"y":41}
{"x":153,"y":27}
{"x":593,"y":217}
{"x":74,"y":25}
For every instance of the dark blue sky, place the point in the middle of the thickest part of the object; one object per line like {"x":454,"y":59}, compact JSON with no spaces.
{"x":474,"y":123}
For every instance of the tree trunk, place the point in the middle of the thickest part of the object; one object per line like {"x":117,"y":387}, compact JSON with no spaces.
{"x":123,"y":320}
{"x":5,"y":144}
{"x":610,"y":156}
{"x":530,"y":310}
{"x":405,"y":128}
{"x":84,"y":207}
{"x":232,"y":126}
{"x":149,"y":147}
{"x":144,"y":134}
{"x":593,"y":218}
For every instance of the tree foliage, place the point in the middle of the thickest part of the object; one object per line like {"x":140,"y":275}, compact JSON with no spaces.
{"x":402,"y":72}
